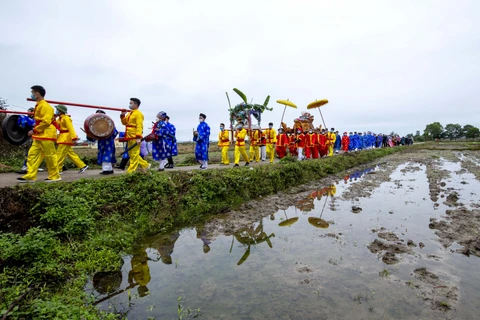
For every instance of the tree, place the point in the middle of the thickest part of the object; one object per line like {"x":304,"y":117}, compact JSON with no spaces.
{"x":434,"y":130}
{"x":466,"y":128}
{"x":472,"y":133}
{"x":453,"y":131}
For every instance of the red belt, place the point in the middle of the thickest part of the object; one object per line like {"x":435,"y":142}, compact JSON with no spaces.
{"x":240,"y":140}
{"x":64,"y":131}
{"x":130,"y":126}
{"x":226,"y":140}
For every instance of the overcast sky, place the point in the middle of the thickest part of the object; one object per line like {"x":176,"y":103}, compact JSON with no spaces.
{"x":383,"y":65}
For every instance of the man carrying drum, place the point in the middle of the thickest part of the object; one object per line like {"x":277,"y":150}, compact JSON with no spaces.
{"x":65,"y":140}
{"x":44,"y":135}
{"x":133,"y":122}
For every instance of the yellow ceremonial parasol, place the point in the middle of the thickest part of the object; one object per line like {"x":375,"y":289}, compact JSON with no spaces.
{"x":318,"y":104}
{"x":288,"y":222}
{"x":286,"y":103}
{"x":319,"y":222}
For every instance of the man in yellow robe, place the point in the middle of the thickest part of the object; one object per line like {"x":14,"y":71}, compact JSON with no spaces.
{"x":65,"y":140}
{"x":133,"y":122}
{"x":224,"y":143}
{"x":240,"y":135}
{"x":44,"y":135}
{"x":331,"y":137}
{"x":254,"y":151}
{"x":271,"y":136}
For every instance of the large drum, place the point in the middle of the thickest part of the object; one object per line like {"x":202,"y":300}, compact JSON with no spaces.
{"x":99,"y":126}
{"x":12,"y":132}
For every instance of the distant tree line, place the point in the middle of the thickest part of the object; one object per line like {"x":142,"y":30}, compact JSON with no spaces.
{"x":452,"y":131}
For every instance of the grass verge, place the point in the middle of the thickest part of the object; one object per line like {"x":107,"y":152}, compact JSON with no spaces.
{"x":56,"y":235}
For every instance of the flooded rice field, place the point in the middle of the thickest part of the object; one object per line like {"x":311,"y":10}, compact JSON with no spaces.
{"x":395,"y":240}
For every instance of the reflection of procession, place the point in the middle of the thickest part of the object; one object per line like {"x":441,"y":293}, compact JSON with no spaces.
{"x":251,"y":236}
{"x":165,"y":246}
{"x":140,"y":273}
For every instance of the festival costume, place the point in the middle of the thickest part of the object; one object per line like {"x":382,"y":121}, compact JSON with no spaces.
{"x":203,"y":143}
{"x":43,"y":146}
{"x":106,"y":152}
{"x":282,"y":143}
{"x":300,"y":143}
{"x":161,"y":149}
{"x":27,"y":124}
{"x":322,"y":144}
{"x":254,"y":151}
{"x":338,"y":143}
{"x":271,"y":136}
{"x":240,"y":146}
{"x":65,"y":141}
{"x":345,"y":142}
{"x":224,"y":143}
{"x":292,"y":147}
{"x":263,"y":147}
{"x":172,"y":142}
{"x":310,"y":142}
{"x":331,"y":136}
{"x":133,"y":122}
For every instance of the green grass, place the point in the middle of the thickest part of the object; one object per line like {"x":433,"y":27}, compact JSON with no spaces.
{"x":77,"y":229}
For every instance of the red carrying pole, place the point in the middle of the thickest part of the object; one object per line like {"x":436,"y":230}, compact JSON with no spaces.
{"x":15,"y":112}
{"x":82,"y":105}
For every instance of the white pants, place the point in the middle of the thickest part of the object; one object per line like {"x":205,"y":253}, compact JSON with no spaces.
{"x":300,"y":153}
{"x":162,"y":164}
{"x":204,"y":163}
{"x":263,"y":153}
{"x":107,"y":166}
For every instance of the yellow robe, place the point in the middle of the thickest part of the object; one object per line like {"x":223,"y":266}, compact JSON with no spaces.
{"x":133,"y":122}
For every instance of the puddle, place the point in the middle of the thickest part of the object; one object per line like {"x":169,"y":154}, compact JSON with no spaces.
{"x":314,"y":260}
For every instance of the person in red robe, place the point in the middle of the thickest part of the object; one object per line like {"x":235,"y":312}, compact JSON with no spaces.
{"x":345,"y":142}
{"x":300,"y":143}
{"x":282,"y":143}
{"x":322,"y":143}
{"x":292,"y":145}
{"x":310,"y":138}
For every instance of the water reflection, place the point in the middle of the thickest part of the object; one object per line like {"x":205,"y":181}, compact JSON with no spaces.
{"x":165,"y":245}
{"x":206,"y":238}
{"x":140,"y":273}
{"x":252,"y":236}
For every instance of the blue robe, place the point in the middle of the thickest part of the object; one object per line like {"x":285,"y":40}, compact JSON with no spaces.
{"x":351,"y":143}
{"x":106,"y":148}
{"x":338,"y":142}
{"x":356,"y":141}
{"x":203,"y":142}
{"x":171,"y":139}
{"x":161,"y":149}
{"x":379,"y":141}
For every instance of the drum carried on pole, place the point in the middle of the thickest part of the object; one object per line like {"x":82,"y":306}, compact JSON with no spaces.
{"x":12,"y":131}
{"x":99,"y":126}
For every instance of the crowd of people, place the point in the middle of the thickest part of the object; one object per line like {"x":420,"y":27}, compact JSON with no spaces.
{"x":53,"y":136}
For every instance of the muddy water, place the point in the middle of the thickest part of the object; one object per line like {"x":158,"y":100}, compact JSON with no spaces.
{"x":352,"y":249}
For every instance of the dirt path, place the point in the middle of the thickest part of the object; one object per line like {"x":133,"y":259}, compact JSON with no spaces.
{"x":10,"y":179}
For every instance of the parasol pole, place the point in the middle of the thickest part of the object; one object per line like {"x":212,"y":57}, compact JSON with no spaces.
{"x":285,"y":108}
{"x":322,"y":118}
{"x":82,"y":105}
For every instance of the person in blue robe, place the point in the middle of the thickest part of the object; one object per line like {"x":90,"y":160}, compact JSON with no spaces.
{"x":172,"y":142}
{"x":26,"y":122}
{"x":161,"y":149}
{"x":360,"y":141}
{"x":202,"y":139}
{"x":106,"y":150}
{"x":338,"y":142}
{"x":351,"y":142}
{"x":356,"y":141}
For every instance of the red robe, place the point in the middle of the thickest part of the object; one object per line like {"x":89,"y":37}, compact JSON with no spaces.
{"x":292,"y":146}
{"x":310,"y":142}
{"x":322,"y":141}
{"x":301,"y":141}
{"x":345,"y":142}
{"x":282,"y":143}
